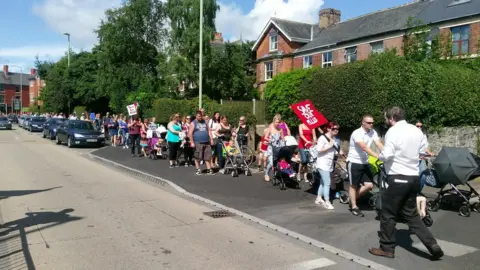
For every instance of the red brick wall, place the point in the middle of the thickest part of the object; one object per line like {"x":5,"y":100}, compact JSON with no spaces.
{"x":284,"y":45}
{"x":317,"y":60}
{"x":338,"y":57}
{"x":474,"y":38}
{"x":298,"y":63}
{"x":397,"y":43}
{"x":9,"y":93}
{"x":363,"y":51}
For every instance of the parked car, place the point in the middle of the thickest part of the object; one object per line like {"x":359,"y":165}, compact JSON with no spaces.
{"x":79,"y":133}
{"x":13,"y":118}
{"x":5,"y":123}
{"x":26,"y":122}
{"x":50,"y":127}
{"x":21,"y":119}
{"x":35,"y":124}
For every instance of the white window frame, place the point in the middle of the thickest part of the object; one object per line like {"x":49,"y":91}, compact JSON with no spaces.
{"x":307,"y":61}
{"x":267,"y":64}
{"x":348,"y":55}
{"x":325,"y":63}
{"x":377,"y":50}
{"x":273,"y":39}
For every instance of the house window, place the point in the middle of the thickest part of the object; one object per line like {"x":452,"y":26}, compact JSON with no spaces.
{"x":2,"y":87}
{"x":307,"y":61}
{"x":2,"y":99}
{"x":268,"y":71}
{"x":31,"y":83}
{"x":377,"y":47}
{"x":350,"y":55}
{"x":327,"y":59}
{"x":17,"y":89}
{"x":273,"y":41}
{"x":460,"y":37}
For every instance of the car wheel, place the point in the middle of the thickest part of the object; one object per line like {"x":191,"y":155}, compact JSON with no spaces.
{"x":57,"y":140}
{"x":69,"y":142}
{"x":51,"y":136}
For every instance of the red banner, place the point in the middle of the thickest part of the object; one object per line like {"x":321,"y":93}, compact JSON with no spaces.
{"x":308,"y":114}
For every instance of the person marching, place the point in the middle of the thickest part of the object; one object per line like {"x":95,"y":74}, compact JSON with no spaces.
{"x":403,"y":144}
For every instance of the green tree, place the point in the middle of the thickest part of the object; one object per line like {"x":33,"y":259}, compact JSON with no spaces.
{"x":42,"y":67}
{"x":184,"y":16}
{"x":56,"y":95}
{"x":130,"y":38}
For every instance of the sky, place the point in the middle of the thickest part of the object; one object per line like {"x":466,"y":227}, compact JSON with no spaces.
{"x":36,"y":27}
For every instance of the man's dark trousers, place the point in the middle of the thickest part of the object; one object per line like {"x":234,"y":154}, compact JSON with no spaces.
{"x":400,"y":199}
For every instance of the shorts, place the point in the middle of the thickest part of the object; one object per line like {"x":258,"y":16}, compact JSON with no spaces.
{"x":113,"y":132}
{"x":304,"y":156}
{"x":359,"y":174}
{"x":145,"y":145}
{"x":203,"y":151}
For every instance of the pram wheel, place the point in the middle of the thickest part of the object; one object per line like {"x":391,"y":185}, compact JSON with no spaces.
{"x":297,"y":185}
{"x":373,"y":200}
{"x":476,"y":207}
{"x":225,"y":171}
{"x":465,"y":211}
{"x":248,"y":172}
{"x":234,"y":173}
{"x":344,"y":198}
{"x":433,"y":206}
{"x":282,"y":186}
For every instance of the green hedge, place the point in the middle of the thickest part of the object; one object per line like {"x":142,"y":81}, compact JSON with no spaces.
{"x":163,"y":108}
{"x":442,"y":93}
{"x":282,"y":91}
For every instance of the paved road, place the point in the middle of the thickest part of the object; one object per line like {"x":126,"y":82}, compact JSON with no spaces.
{"x":61,"y":210}
{"x":294,"y":210}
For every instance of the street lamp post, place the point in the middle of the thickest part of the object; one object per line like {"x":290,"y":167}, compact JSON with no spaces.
{"x":68,"y":63}
{"x":200,"y":80}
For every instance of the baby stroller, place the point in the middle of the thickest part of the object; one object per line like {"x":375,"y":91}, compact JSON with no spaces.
{"x":382,"y":186}
{"x":453,"y":167}
{"x":235,"y":159}
{"x":157,"y":145}
{"x":280,"y":179}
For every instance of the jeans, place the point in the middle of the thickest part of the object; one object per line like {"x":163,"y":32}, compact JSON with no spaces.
{"x":324,"y":187}
{"x":400,"y":198}
{"x":135,"y":140}
{"x":423,"y":178}
{"x":304,"y":156}
{"x":221,"y":159}
{"x":125,"y":138}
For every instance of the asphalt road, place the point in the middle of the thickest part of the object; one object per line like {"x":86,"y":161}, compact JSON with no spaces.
{"x":60,"y":210}
{"x":295,"y":210}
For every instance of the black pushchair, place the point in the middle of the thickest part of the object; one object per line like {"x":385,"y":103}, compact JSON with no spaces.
{"x":454,"y":166}
{"x":280,"y":179}
{"x":382,"y":186}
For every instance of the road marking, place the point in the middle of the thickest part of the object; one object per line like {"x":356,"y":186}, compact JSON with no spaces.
{"x":450,"y":249}
{"x":307,"y":265}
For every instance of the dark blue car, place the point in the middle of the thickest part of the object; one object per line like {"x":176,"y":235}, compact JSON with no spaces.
{"x":36,"y":124}
{"x":50,"y":127}
{"x":79,"y":133}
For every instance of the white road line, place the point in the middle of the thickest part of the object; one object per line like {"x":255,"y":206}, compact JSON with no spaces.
{"x":450,"y":249}
{"x":307,"y":265}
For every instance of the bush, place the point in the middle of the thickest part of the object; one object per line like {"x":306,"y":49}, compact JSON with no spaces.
{"x":282,"y":91}
{"x":437,"y":93}
{"x":164,"y":108}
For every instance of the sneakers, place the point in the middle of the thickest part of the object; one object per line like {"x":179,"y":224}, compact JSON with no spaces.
{"x":328,"y":205}
{"x":436,"y":251}
{"x":171,"y":166}
{"x":323,"y":203}
{"x":198,"y":172}
{"x":320,"y":201}
{"x":210,"y":172}
{"x":356,"y":212}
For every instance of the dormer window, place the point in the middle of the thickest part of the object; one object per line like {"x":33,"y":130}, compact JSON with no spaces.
{"x":273,"y":40}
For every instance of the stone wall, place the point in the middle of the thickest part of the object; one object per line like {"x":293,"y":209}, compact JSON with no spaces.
{"x":455,"y":137}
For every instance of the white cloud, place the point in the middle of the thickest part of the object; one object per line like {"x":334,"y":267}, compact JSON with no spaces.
{"x":233,"y":22}
{"x":78,"y":17}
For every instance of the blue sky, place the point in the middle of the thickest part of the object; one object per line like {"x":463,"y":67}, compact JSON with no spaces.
{"x":36,"y":27}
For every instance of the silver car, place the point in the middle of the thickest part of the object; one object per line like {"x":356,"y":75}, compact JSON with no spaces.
{"x":5,"y":123}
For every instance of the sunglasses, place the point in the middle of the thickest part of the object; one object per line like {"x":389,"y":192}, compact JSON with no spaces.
{"x":419,"y":126}
{"x":370,"y":123}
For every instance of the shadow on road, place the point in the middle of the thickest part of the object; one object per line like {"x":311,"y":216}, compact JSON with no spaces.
{"x":14,"y":250}
{"x":4,"y":194}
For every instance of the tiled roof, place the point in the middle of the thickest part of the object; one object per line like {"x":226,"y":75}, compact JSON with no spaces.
{"x":14,"y":78}
{"x":444,"y":10}
{"x":295,"y":30}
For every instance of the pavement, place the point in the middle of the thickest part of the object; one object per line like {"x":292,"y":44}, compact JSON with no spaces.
{"x":61,"y":210}
{"x":295,"y":211}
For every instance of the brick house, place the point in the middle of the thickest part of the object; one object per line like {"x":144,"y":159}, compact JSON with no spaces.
{"x":284,"y":45}
{"x":36,"y":85}
{"x":11,"y":84}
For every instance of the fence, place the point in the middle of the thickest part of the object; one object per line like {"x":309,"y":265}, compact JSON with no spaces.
{"x":258,"y":108}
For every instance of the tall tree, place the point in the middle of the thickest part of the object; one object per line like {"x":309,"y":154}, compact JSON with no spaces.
{"x":184,"y":16}
{"x":130,"y":38}
{"x":42,"y":67}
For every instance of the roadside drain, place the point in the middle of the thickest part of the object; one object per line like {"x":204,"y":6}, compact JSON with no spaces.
{"x":219,"y":214}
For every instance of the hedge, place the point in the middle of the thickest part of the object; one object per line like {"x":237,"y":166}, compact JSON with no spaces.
{"x":439,"y":93}
{"x":282,"y":91}
{"x":164,"y":108}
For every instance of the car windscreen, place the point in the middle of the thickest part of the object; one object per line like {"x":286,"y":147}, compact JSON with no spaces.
{"x":3,"y":119}
{"x":38,"y":119}
{"x":81,"y":125}
{"x":58,"y":121}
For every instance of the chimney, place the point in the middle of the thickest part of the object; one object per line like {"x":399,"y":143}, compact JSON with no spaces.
{"x":5,"y":71}
{"x":33,"y":72}
{"x":328,"y":17}
{"x":218,"y":38}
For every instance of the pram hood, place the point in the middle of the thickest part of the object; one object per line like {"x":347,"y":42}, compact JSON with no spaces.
{"x":455,"y":165}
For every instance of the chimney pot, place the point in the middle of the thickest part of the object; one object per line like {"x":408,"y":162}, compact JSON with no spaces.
{"x":5,"y":71}
{"x":33,"y":72}
{"x":328,"y":17}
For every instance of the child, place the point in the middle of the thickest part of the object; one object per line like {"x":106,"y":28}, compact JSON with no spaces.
{"x":286,"y":168}
{"x":231,"y":150}
{"x":262,"y":152}
{"x":144,"y":144}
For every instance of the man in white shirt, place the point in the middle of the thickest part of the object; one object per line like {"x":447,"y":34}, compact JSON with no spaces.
{"x":403,"y":145}
{"x":360,"y":173}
